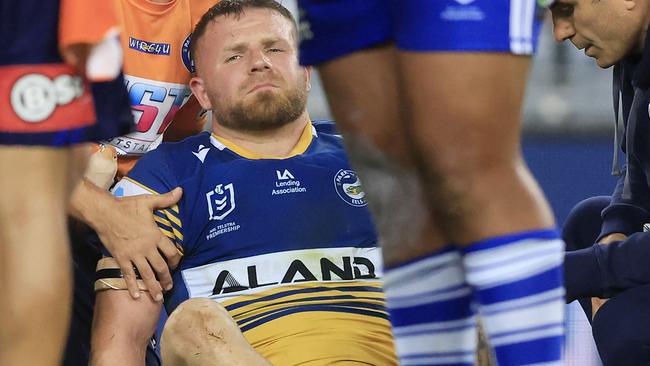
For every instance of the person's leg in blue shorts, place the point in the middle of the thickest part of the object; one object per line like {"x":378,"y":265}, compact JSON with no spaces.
{"x":47,"y":111}
{"x":428,"y":95}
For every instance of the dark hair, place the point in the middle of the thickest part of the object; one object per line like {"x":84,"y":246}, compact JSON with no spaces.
{"x":235,"y":8}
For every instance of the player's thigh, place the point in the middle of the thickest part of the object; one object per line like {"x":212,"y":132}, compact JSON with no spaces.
{"x":350,"y":42}
{"x":33,"y":225}
{"x":39,"y":177}
{"x":362,"y":90}
{"x":33,"y":234}
{"x":465,"y":106}
{"x":463,"y":67}
{"x":35,"y":180}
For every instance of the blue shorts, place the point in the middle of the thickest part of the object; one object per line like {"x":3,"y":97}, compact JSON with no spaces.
{"x":333,"y":28}
{"x":42,"y":100}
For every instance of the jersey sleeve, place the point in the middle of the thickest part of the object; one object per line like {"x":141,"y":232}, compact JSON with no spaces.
{"x":152,"y":175}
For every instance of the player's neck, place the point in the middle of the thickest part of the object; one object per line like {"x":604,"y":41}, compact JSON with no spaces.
{"x":278,"y":143}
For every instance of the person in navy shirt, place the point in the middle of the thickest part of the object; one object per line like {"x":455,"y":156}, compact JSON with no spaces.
{"x":614,"y":33}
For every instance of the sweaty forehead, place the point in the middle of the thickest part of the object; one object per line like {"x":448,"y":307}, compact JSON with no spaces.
{"x":250,"y":26}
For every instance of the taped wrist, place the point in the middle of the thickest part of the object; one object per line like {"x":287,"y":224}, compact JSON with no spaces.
{"x":108,"y":276}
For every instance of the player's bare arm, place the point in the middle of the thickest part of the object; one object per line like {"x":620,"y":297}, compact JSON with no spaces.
{"x":122,"y":327}
{"x":127,"y":228}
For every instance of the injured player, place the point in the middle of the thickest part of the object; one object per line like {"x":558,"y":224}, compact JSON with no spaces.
{"x":280,"y":264}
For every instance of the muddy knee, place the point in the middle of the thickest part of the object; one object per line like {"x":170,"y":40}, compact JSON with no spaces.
{"x":197,"y":321}
{"x":200,"y":331}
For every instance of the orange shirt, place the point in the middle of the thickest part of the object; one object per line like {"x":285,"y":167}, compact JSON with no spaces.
{"x":77,"y":27}
{"x":157,"y":68}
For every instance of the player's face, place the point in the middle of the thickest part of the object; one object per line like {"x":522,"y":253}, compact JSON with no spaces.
{"x":250,"y":71}
{"x":607,"y":30}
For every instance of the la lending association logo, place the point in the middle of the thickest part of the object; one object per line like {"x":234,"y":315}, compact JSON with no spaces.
{"x":349,"y":188}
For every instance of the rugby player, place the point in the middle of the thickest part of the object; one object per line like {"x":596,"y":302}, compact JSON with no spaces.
{"x":428,"y":95}
{"x":277,"y":242}
{"x":49,"y":107}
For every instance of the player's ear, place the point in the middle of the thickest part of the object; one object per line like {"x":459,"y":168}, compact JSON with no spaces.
{"x":200,"y":92}
{"x":307,"y":70}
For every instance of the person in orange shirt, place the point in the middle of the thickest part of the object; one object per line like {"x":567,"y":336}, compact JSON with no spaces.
{"x":61,"y":86}
{"x":157,"y":69}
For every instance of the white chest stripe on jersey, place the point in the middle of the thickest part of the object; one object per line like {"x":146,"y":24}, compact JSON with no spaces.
{"x":126,"y":187}
{"x":243,"y":276}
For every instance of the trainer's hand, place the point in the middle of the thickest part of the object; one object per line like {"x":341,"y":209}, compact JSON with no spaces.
{"x":612,"y":237}
{"x":596,"y":302}
{"x":130,"y":233}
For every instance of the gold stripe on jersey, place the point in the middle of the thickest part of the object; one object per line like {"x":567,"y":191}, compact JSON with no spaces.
{"x":177,"y":234}
{"x":317,"y":323}
{"x":172,"y":217}
{"x":303,"y":143}
{"x":167,"y":233}
{"x":166,"y":216}
{"x":174,"y":208}
{"x":353,"y":297}
{"x":162,"y":221}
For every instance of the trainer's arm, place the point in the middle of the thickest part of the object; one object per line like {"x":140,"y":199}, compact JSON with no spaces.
{"x":122,"y":326}
{"x":606,"y":269}
{"x":127,"y":228}
{"x":629,"y":208}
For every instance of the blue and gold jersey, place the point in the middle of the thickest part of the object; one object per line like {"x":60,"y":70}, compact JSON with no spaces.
{"x":286,"y":245}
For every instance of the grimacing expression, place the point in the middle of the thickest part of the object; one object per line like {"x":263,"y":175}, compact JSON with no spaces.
{"x":607,"y":30}
{"x":248,"y":71}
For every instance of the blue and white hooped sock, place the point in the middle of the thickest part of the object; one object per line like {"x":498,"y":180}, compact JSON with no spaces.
{"x":517,"y":282}
{"x":429,"y":305}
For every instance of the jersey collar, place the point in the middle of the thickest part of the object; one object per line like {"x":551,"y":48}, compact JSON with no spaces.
{"x":308,"y":133}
